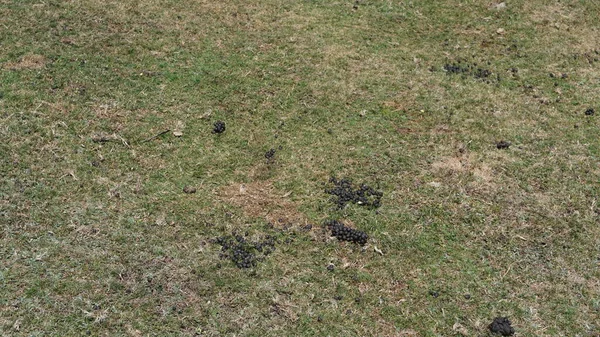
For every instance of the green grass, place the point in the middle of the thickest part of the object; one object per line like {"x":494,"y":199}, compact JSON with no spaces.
{"x":99,"y":238}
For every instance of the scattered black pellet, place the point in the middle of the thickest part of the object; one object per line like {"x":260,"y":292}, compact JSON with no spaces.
{"x":343,"y":233}
{"x":455,"y":68}
{"x":243,"y":252}
{"x":345,"y":192}
{"x":270,"y":154}
{"x":219,"y":127}
{"x":482,"y":73}
{"x":590,"y":112}
{"x":472,"y":70}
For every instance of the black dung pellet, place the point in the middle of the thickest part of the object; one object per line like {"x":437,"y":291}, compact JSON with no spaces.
{"x":219,"y":127}
{"x":343,"y":233}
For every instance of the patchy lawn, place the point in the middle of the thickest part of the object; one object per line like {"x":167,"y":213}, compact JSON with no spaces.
{"x":125,"y":212}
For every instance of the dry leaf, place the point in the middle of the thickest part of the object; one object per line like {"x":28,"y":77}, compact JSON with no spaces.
{"x":499,"y":6}
{"x":206,"y":114}
{"x":17,"y":325}
{"x":378,"y":250}
{"x":408,"y":333}
{"x":434,"y":184}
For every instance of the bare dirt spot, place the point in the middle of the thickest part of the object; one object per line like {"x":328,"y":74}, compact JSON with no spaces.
{"x":31,"y":61}
{"x":261,"y":199}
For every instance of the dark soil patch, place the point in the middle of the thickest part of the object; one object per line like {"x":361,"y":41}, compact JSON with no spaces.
{"x":345,"y":192}
{"x":502,"y":145}
{"x":245,"y":253}
{"x":344,"y":233}
{"x":502,"y":326}
{"x":219,"y":127}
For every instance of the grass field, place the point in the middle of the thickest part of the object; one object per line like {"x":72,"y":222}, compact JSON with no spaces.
{"x":107,"y":111}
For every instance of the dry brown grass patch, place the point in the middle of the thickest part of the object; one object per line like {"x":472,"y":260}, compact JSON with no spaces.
{"x":453,"y":164}
{"x":553,"y":13}
{"x":482,"y":177}
{"x":261,"y":200}
{"x":284,"y":308}
{"x":563,"y":19}
{"x":402,"y":103}
{"x":30,"y":61}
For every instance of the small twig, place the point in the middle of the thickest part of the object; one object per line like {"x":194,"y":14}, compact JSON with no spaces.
{"x":155,"y":136}
{"x":507,"y":271}
{"x":123,"y":141}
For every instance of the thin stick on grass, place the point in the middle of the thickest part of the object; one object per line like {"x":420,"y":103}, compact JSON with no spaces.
{"x":155,"y":136}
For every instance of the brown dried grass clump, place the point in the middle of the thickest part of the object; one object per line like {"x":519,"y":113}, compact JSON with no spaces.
{"x":30,"y":61}
{"x":261,"y":200}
